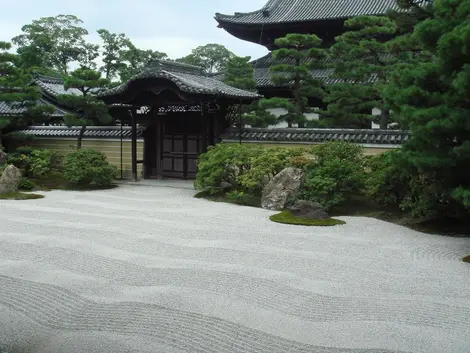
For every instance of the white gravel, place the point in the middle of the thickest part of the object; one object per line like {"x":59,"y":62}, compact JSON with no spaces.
{"x":151,"y":269}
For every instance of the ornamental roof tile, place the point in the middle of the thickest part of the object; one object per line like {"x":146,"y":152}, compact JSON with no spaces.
{"x":308,"y":136}
{"x":285,"y":11}
{"x":187,"y":78}
{"x":105,"y":132}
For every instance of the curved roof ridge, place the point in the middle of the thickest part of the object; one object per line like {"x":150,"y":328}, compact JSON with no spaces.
{"x":270,"y":5}
{"x":48,"y":79}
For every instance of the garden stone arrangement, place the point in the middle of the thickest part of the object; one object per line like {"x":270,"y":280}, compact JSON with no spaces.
{"x":153,"y":269}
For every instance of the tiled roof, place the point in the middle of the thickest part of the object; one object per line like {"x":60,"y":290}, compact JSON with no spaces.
{"x":294,"y":135}
{"x":107,"y":132}
{"x":285,"y":11}
{"x":8,"y":109}
{"x":53,"y":86}
{"x":187,"y":78}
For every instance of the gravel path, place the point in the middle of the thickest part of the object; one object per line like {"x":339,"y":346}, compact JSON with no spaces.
{"x":151,"y":269}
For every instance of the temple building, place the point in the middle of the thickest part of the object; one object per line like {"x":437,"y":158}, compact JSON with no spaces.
{"x":324,"y":18}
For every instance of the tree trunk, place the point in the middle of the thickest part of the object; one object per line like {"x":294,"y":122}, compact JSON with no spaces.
{"x":80,"y":137}
{"x":384,"y":118}
{"x":289,"y":123}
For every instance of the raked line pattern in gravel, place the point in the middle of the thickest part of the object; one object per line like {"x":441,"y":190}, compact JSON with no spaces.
{"x":152,"y":269}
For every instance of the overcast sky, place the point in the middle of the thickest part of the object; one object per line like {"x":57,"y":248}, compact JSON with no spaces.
{"x":172,"y":26}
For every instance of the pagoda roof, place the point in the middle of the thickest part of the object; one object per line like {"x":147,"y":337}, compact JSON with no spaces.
{"x":288,"y":11}
{"x":187,"y":78}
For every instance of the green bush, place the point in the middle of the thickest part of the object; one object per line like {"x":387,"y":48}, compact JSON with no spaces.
{"x":42,"y":162}
{"x":241,"y":167}
{"x":265,"y":166}
{"x":26,"y":184}
{"x":338,"y":169}
{"x":223,"y":163}
{"x":88,"y":167}
{"x":286,"y":217}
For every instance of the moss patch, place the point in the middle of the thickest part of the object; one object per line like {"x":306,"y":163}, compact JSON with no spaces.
{"x":466,"y":259}
{"x":20,"y":196}
{"x":288,"y":218}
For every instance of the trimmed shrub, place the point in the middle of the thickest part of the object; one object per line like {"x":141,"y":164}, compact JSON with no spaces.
{"x":286,"y":217}
{"x":42,"y":162}
{"x":242,"y":198}
{"x":337,"y":169}
{"x":241,"y":167}
{"x":26,"y":184}
{"x":88,"y":167}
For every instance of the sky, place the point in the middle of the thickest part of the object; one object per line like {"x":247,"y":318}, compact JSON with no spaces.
{"x":171,"y":26}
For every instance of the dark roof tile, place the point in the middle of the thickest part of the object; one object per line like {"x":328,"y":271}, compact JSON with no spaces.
{"x":188,"y":78}
{"x":285,"y":11}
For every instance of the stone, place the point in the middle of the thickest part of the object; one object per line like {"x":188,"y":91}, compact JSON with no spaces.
{"x":284,"y":185}
{"x":307,"y":209}
{"x":225,"y":185}
{"x":10,"y":180}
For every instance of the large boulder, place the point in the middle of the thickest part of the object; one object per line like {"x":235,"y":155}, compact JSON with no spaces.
{"x":281,"y":187}
{"x":307,"y":209}
{"x":10,"y":180}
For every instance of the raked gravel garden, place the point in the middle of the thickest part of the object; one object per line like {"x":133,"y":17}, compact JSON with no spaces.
{"x":153,"y":269}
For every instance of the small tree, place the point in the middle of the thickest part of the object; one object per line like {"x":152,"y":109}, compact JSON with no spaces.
{"x":89,"y":110}
{"x":303,"y":54}
{"x":19,"y":95}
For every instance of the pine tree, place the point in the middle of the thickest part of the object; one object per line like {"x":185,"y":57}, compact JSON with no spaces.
{"x":432,"y":100}
{"x":83,"y":84}
{"x":239,"y":73}
{"x":361,"y":59}
{"x":301,"y":54}
{"x":17,"y":93}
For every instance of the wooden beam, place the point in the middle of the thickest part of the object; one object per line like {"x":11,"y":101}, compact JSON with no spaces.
{"x":134,"y":143}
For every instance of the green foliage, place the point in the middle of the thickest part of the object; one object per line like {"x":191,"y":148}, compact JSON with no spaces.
{"x":337,"y":170}
{"x":135,"y":59}
{"x":243,"y":198}
{"x":286,"y":217}
{"x":239,"y":73}
{"x":257,"y":116}
{"x":264,"y":166}
{"x":26,"y":184}
{"x":301,"y":53}
{"x":16,"y":91}
{"x":42,"y":162}
{"x":224,"y":163}
{"x":86,"y":167}
{"x":115,"y":47}
{"x":361,"y":59}
{"x":89,"y":109}
{"x":210,"y":57}
{"x":387,"y":184}
{"x":245,"y":168}
{"x":56,"y":42}
{"x":431,"y":98}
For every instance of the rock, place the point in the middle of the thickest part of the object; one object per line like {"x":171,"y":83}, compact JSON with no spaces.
{"x":10,"y":180}
{"x":307,"y":209}
{"x":3,"y":158}
{"x":281,"y":187}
